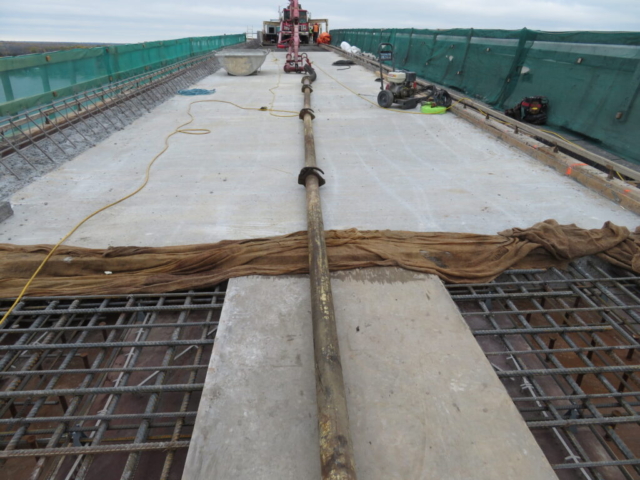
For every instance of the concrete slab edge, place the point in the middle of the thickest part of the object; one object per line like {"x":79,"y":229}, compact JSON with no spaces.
{"x":5,"y":211}
{"x":610,"y":188}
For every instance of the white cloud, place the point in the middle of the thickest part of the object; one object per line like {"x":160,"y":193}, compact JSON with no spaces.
{"x":122,"y":21}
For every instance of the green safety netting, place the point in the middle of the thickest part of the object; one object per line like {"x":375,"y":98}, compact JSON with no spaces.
{"x":592,"y":79}
{"x":31,"y":80}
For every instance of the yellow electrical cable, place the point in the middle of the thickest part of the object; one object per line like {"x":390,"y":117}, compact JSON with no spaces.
{"x":273,"y":93}
{"x":565,"y":139}
{"x":180,"y":129}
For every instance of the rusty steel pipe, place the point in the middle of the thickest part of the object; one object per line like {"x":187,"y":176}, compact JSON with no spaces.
{"x":336,"y":451}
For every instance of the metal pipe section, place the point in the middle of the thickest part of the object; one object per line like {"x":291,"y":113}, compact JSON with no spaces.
{"x":103,"y":390}
{"x":122,"y":416}
{"x":92,"y":429}
{"x":66,"y":346}
{"x":336,"y":452}
{"x":90,"y":311}
{"x":94,"y":449}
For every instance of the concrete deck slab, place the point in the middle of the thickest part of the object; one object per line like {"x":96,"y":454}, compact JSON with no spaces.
{"x":384,"y":171}
{"x":424,"y":403}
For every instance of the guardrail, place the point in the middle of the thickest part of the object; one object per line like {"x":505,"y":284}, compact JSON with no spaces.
{"x":27,"y":81}
{"x":109,"y":107}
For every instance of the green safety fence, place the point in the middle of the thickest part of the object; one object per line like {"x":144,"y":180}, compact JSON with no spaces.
{"x":31,"y":80}
{"x":592,"y":79}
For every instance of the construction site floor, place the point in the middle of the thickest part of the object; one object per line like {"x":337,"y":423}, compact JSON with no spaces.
{"x":384,"y":170}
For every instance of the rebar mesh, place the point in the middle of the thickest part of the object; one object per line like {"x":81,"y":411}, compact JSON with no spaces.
{"x":103,"y":386}
{"x":565,"y":344}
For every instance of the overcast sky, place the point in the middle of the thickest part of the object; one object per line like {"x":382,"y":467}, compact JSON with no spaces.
{"x":122,"y":21}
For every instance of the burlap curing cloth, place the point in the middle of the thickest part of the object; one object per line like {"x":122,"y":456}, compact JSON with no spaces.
{"x":454,"y":257}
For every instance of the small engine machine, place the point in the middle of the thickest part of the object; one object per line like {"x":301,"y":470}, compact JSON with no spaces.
{"x":401,"y":89}
{"x":402,"y":86}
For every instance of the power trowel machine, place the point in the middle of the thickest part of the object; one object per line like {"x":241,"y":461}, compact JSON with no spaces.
{"x":402,"y":86}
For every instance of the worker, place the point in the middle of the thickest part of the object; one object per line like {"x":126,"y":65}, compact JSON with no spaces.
{"x":316,"y":32}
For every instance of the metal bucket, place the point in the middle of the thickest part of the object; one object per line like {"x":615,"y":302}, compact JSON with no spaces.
{"x":242,"y":62}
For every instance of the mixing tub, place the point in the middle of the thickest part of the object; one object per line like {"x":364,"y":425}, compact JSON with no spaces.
{"x":242,"y":62}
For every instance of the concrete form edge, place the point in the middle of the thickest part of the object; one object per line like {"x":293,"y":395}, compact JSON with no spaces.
{"x":613,"y":189}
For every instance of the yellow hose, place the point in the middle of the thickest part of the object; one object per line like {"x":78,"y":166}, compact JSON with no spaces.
{"x":180,"y":129}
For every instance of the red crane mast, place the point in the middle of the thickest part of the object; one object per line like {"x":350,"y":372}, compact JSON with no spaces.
{"x":296,"y":62}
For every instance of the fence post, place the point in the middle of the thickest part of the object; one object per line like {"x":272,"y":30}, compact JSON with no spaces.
{"x":44,"y":75}
{"x":6,"y":86}
{"x":526,"y":37}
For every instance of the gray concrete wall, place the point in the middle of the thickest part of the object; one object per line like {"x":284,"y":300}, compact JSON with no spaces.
{"x":424,"y":403}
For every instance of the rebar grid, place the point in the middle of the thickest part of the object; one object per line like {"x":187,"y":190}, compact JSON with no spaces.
{"x":564,"y":343}
{"x":86,"y":380}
